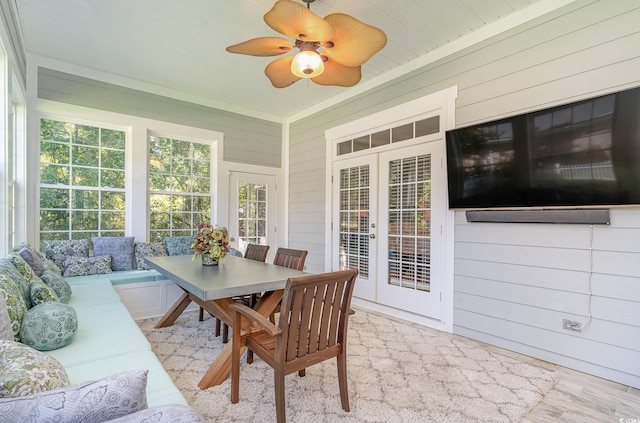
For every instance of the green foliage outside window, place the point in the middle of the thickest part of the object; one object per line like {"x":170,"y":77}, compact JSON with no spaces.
{"x":179,"y":187}
{"x":82,"y":177}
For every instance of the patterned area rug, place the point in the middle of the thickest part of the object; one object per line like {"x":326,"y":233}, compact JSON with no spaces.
{"x":397,"y":372}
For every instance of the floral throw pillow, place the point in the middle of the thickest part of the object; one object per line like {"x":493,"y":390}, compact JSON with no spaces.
{"x":58,"y":284}
{"x":9,"y":270}
{"x":16,"y":305}
{"x":25,"y":371}
{"x":41,"y":293}
{"x":81,"y":266}
{"x":22,"y":266}
{"x":49,"y":326}
{"x":110,"y":398}
{"x":6,"y":329}
{"x":59,"y":250}
{"x":148,"y":249}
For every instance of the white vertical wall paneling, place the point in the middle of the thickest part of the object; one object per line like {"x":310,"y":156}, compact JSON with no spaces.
{"x":514,"y":283}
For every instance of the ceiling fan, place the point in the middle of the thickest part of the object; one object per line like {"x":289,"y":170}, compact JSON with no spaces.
{"x":331,"y":49}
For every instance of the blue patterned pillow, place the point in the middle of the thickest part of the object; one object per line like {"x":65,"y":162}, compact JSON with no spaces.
{"x":179,"y":245}
{"x":96,"y":401}
{"x":119,"y":248}
{"x":25,"y":371}
{"x":148,"y":249}
{"x":58,"y":284}
{"x":81,"y":266}
{"x":49,"y":326}
{"x":58,"y":251}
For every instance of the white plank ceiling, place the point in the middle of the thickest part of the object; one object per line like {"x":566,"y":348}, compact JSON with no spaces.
{"x":177,"y":47}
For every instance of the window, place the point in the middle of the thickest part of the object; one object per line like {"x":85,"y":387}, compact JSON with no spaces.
{"x":252,"y":214}
{"x":179,"y":186}
{"x":82,"y":181}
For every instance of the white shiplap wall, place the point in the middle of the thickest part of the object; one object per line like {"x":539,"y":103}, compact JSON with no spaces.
{"x":514,"y":283}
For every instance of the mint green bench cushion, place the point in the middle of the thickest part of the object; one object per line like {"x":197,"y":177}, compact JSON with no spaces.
{"x":160,"y":388}
{"x":121,"y":277}
{"x":49,"y":326}
{"x":133,"y":276}
{"x":89,"y":292}
{"x":104,"y":330}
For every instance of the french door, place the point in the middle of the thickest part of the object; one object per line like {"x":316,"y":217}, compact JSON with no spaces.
{"x":252,"y":209}
{"x":389,"y":210}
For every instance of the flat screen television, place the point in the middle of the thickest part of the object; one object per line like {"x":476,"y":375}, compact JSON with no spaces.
{"x":585,"y":153}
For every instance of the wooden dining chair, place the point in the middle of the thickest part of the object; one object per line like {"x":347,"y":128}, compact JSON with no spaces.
{"x":256,"y":252}
{"x":312,"y":328}
{"x":253,"y":252}
{"x":286,"y":257}
{"x":293,"y":259}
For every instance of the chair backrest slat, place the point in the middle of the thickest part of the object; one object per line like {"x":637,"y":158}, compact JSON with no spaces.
{"x":316,"y":319}
{"x":256,"y":252}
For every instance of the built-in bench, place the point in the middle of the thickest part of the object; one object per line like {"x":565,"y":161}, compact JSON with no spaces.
{"x":145,"y":292}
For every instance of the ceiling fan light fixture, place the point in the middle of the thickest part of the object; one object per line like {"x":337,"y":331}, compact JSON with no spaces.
{"x":307,"y":64}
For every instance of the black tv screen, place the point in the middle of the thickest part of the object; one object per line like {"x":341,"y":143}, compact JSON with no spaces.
{"x":581,"y":154}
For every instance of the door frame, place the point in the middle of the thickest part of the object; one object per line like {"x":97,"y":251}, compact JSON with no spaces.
{"x":441,"y":103}
{"x":225,"y":169}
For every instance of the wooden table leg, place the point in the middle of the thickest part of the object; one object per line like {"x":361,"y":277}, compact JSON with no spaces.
{"x":221,"y":367}
{"x":175,"y":311}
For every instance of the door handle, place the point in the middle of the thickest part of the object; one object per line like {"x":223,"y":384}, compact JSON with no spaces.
{"x":372,"y":236}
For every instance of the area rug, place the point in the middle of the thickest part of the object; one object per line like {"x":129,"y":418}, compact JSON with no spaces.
{"x":397,"y":372}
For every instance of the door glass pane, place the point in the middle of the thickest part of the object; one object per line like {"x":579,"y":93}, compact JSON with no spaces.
{"x":410,"y":222}
{"x":354,"y":219}
{"x":252,"y":214}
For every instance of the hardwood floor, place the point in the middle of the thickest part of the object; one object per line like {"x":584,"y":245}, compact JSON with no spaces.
{"x":579,"y":397}
{"x":582,"y":398}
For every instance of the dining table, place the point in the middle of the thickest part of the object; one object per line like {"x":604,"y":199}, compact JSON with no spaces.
{"x":214,"y":288}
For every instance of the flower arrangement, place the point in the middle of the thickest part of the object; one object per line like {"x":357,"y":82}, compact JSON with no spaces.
{"x":212,"y":241}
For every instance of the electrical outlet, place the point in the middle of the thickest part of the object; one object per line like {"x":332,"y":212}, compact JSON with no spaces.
{"x":571,"y":325}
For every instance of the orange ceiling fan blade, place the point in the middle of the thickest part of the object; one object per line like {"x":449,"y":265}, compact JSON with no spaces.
{"x":262,"y":46}
{"x":279,"y":72}
{"x":354,"y":42}
{"x":337,"y":74}
{"x":296,"y":21}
